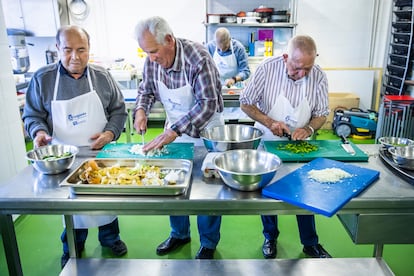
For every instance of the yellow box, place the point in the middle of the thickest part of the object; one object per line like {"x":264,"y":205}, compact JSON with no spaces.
{"x":340,"y":99}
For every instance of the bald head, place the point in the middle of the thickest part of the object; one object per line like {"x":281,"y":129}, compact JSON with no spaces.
{"x":305,"y":44}
{"x":223,"y":39}
{"x":71,"y":30}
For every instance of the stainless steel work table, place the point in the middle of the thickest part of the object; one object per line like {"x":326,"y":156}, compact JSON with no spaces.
{"x":32,"y":193}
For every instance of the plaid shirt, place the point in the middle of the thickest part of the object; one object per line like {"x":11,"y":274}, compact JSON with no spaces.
{"x":201,"y":73}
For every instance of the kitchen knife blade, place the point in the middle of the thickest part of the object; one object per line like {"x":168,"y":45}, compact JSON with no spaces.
{"x":347,"y":146}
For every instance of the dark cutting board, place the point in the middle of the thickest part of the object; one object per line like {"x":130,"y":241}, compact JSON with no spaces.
{"x":331,"y":149}
{"x":174,"y":151}
{"x":322,"y":198}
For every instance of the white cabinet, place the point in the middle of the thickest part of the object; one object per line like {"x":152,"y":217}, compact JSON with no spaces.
{"x":278,"y":32}
{"x":37,"y":17}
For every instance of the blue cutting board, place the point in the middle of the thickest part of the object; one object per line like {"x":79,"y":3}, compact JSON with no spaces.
{"x":331,"y":149}
{"x":174,"y":151}
{"x":321,"y":198}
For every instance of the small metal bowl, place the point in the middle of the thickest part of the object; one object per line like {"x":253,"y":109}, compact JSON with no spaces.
{"x":388,"y":142}
{"x":230,"y":137}
{"x":55,"y":164}
{"x":247,"y":169}
{"x":403,"y":156}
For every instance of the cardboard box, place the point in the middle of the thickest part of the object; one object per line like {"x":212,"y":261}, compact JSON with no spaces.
{"x":340,"y":99}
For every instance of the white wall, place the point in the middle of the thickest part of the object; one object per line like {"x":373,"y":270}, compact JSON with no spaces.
{"x":12,"y":147}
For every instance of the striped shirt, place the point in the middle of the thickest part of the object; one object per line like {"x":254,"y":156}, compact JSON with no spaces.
{"x":271,"y":80}
{"x":201,"y":73}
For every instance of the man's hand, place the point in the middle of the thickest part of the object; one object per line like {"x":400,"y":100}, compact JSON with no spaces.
{"x":164,"y":138}
{"x":41,"y":139}
{"x":140,"y":121}
{"x":101,"y":139}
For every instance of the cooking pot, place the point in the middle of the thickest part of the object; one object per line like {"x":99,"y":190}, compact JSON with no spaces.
{"x":264,"y":13}
{"x":18,"y":50}
{"x":228,"y":18}
{"x":213,"y":18}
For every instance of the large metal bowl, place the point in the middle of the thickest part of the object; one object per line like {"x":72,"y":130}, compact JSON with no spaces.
{"x":388,"y":142}
{"x":247,"y":169}
{"x":403,"y":156}
{"x":230,"y":137}
{"x":61,"y":158}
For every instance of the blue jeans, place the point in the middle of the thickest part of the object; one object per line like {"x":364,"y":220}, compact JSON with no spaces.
{"x":208,"y":228}
{"x":107,"y":235}
{"x":306,"y":225}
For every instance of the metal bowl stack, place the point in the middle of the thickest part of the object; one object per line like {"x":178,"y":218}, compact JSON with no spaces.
{"x":247,"y":170}
{"x":389,"y":142}
{"x":52,"y":159}
{"x":403,"y":156}
{"x":230,"y":137}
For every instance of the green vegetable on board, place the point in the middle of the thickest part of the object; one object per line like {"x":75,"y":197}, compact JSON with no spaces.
{"x":298,"y":147}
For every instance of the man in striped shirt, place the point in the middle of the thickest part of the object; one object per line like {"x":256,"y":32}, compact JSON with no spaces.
{"x":288,"y":95}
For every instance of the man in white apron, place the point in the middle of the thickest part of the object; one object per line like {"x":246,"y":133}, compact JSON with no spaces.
{"x":182,"y":76}
{"x":289,"y":95}
{"x":62,"y":99}
{"x":230,"y":58}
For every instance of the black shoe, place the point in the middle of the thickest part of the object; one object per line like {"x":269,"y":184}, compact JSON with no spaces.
{"x":269,"y":249}
{"x":171,"y":244}
{"x":205,"y":253}
{"x":316,"y":251}
{"x":119,"y":248}
{"x":64,"y":259}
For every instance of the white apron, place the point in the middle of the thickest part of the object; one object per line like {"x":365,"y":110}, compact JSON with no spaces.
{"x":74,"y":122}
{"x":283,"y":111}
{"x":226,"y":65}
{"x":177,"y":102}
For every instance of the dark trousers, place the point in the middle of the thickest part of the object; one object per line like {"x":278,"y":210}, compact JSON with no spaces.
{"x":306,"y":225}
{"x":107,"y":235}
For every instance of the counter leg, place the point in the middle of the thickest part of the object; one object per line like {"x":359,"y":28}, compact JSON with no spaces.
{"x":378,"y":249}
{"x":71,"y":236}
{"x":10,"y":245}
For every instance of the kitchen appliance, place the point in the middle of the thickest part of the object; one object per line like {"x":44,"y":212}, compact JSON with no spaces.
{"x":355,"y":122}
{"x":321,"y":197}
{"x":18,"y":50}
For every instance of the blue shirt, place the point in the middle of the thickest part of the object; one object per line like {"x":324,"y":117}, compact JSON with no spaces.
{"x":239,"y":52}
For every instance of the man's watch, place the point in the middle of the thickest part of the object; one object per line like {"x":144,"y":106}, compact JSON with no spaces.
{"x":175,"y":129}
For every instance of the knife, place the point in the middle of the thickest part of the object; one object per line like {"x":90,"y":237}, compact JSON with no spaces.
{"x":289,"y":136}
{"x":347,"y":146}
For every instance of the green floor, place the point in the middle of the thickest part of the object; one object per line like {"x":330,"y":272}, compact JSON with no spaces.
{"x":241,"y":238}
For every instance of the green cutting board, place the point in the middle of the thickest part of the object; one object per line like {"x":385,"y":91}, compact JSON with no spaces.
{"x":173,"y":151}
{"x":331,"y":149}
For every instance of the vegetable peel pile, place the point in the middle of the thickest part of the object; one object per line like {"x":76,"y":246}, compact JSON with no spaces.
{"x":298,"y":147}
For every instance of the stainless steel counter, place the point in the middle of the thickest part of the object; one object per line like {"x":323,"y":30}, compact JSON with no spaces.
{"x":32,"y":193}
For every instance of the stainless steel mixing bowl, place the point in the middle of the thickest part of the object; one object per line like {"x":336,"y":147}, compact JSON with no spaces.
{"x":52,"y":159}
{"x":389,"y":141}
{"x":247,"y":169}
{"x":230,"y":137}
{"x":403,"y":156}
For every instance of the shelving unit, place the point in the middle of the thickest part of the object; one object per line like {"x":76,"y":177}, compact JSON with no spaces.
{"x":396,"y":113}
{"x":283,"y":31}
{"x":398,"y":72}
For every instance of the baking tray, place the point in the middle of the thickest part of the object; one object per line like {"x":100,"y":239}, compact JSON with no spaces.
{"x":387,"y":159}
{"x":185,"y":166}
